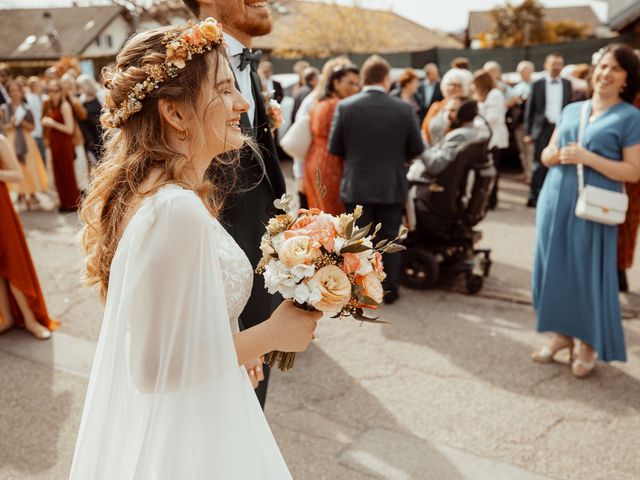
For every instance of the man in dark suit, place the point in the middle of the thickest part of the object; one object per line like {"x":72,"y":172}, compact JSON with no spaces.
{"x":260,"y":180}
{"x":376,"y":135}
{"x":549,"y":95}
{"x":429,"y":91}
{"x":271,"y":86}
{"x":310,"y":78}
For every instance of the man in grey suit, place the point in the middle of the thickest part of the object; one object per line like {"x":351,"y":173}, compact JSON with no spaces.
{"x":377,"y":136}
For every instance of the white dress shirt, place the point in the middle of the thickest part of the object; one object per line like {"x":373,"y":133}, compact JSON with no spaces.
{"x":243,"y":77}
{"x":373,"y":87}
{"x":553,"y":102}
{"x":429,"y":90}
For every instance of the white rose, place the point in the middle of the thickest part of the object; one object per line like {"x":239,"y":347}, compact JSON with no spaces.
{"x":298,"y":250}
{"x":365,"y":264}
{"x":302,"y":293}
{"x":277,"y":241}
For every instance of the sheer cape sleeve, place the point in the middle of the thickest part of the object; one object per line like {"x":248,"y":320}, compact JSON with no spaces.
{"x":167,"y":398}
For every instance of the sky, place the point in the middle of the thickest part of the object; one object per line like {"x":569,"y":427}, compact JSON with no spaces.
{"x":450,"y":18}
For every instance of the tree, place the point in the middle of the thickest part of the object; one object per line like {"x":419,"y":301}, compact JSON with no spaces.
{"x":518,"y":24}
{"x":331,"y":29}
{"x":524,"y":24}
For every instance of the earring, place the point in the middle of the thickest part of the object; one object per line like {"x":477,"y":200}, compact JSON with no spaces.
{"x":182,"y":139}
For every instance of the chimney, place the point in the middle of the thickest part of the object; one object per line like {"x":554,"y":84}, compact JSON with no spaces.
{"x":51,"y":31}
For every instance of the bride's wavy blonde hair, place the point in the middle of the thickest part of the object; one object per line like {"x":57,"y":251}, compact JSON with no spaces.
{"x":140,"y":146}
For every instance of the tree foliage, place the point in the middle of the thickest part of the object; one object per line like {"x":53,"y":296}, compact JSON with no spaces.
{"x":524,"y":24}
{"x":334,"y":30}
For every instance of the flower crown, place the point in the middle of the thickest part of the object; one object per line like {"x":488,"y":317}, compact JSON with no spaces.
{"x":181,"y":46}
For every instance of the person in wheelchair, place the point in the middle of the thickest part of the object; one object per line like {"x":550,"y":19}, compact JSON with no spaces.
{"x":461,"y":112}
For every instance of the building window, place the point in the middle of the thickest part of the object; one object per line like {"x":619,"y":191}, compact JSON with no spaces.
{"x":109,"y":41}
{"x":98,"y":40}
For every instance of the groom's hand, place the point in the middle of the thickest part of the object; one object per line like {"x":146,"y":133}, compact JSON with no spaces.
{"x":254,"y":369}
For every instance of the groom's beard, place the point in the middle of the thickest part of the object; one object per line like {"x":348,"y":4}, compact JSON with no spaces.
{"x":237,"y":15}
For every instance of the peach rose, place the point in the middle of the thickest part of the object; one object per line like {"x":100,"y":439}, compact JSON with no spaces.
{"x":297,"y":251}
{"x":351,"y":262}
{"x":378,"y":266}
{"x":320,"y":229}
{"x":210,"y":30}
{"x":334,"y":287}
{"x":372,"y":287}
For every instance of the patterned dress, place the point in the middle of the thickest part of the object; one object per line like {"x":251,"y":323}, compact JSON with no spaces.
{"x":320,"y":163}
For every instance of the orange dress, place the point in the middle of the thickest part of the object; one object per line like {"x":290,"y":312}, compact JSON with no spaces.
{"x":319,"y":159}
{"x":433,"y":111}
{"x":628,"y":231}
{"x":16,"y":264}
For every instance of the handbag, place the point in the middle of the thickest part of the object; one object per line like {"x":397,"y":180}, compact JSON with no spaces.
{"x":297,"y":140}
{"x":594,"y":203}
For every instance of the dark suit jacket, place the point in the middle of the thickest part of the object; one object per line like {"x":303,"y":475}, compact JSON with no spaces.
{"x":422,"y":100}
{"x":376,"y":135}
{"x":534,"y":118}
{"x":250,"y":206}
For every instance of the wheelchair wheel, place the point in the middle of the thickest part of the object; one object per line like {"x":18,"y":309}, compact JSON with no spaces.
{"x":473,"y":283}
{"x":419,"y":269}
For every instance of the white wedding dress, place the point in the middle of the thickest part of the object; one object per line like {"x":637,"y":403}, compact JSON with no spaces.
{"x":167,"y":399}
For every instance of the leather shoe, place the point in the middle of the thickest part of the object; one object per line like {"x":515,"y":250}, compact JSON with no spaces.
{"x":391,"y":298}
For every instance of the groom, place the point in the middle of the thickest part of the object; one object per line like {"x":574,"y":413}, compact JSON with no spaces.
{"x":260,"y":180}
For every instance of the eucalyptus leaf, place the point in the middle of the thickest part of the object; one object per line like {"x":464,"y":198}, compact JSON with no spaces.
{"x":368,"y":301}
{"x":361,"y":233}
{"x":394,"y":248}
{"x":349,"y":230}
{"x":356,"y":248}
{"x":381,"y":243}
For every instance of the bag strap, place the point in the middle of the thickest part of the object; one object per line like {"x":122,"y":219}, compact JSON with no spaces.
{"x":581,"y":128}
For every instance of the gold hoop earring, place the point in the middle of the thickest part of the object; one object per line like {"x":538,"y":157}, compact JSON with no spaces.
{"x":182,"y":139}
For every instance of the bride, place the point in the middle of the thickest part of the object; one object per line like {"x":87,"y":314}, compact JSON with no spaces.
{"x":169,"y":397}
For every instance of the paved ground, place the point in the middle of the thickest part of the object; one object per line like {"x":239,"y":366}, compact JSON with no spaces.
{"x":446,"y":392}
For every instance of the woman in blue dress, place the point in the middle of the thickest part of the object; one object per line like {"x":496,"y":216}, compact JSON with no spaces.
{"x":575,"y":283}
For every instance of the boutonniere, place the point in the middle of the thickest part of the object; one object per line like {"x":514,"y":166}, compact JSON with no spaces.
{"x":274,"y":111}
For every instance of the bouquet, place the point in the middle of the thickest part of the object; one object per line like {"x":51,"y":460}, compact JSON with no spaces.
{"x":324,"y":262}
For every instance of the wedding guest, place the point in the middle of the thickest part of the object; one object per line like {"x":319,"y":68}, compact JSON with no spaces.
{"x":5,"y":76}
{"x":322,"y":170}
{"x":377,"y":135}
{"x":577,"y":76}
{"x":628,"y":231}
{"x":58,"y":126}
{"x":35,"y":98}
{"x":492,"y":107}
{"x":169,"y":395}
{"x":455,"y":82}
{"x":310,"y":77}
{"x":519,"y":94}
{"x":271,"y":86}
{"x":298,"y":68}
{"x":19,"y":123}
{"x":575,"y":285}
{"x":494,"y":69}
{"x":90,"y":126}
{"x":69,"y":85}
{"x":462,"y":63}
{"x":408,"y":84}
{"x":21,"y":299}
{"x":429,"y":92}
{"x":461,"y":112}
{"x":549,"y":95}
{"x":305,"y":107}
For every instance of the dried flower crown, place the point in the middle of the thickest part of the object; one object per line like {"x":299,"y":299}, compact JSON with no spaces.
{"x":181,"y":46}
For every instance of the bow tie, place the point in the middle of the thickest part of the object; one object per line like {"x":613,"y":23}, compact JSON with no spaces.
{"x":247,"y":57}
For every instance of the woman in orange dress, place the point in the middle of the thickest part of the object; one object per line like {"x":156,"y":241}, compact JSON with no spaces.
{"x":323,"y":171}
{"x":58,"y":123}
{"x":21,"y":300}
{"x":628,"y":231}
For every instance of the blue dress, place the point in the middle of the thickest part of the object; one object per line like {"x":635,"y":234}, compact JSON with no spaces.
{"x":575,"y":282}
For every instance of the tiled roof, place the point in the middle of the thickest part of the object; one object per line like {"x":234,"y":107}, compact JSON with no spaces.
{"x":24,"y":31}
